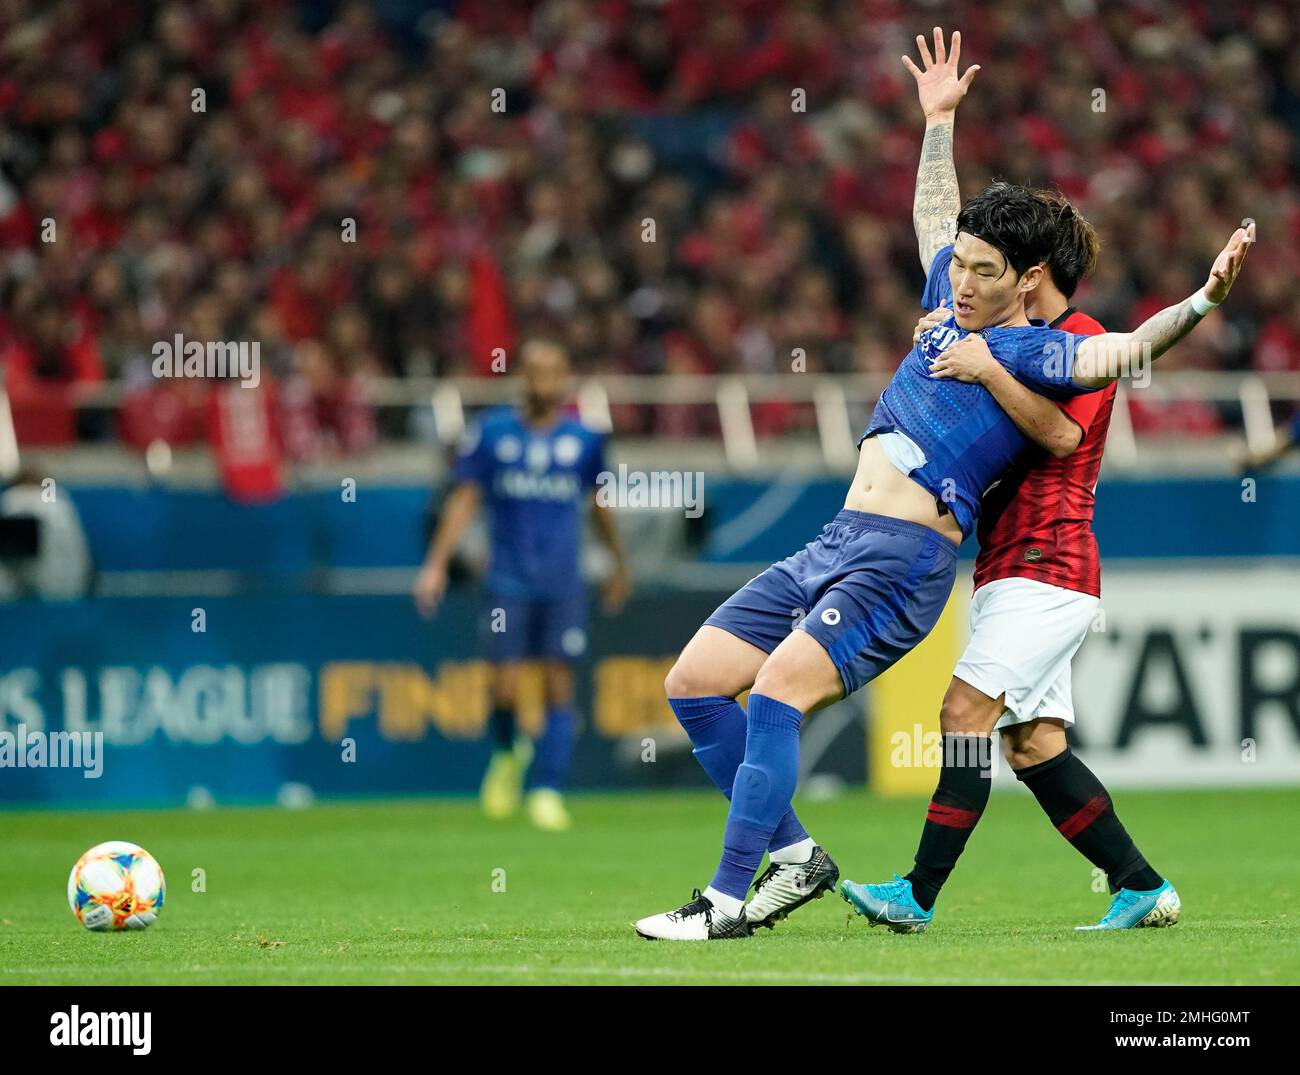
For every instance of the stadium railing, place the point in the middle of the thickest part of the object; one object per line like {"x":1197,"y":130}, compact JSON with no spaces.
{"x":834,"y":399}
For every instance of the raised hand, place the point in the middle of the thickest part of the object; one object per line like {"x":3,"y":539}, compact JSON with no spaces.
{"x":937,"y":85}
{"x":1228,"y":264}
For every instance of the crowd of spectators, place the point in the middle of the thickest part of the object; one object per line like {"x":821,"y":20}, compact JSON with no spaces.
{"x":669,"y":185}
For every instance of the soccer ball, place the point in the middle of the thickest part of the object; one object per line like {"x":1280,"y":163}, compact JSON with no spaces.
{"x":116,"y":886}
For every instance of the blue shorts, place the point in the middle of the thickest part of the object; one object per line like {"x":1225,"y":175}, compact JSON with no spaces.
{"x":546,"y":629}
{"x":868,"y":588}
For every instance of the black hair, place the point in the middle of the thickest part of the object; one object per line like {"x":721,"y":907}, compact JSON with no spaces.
{"x":1013,"y":220}
{"x":1077,"y":247}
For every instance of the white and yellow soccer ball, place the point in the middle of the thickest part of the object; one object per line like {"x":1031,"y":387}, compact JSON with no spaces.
{"x":116,"y":886}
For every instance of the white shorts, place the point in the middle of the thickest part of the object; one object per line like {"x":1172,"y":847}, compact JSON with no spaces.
{"x":1023,"y":635}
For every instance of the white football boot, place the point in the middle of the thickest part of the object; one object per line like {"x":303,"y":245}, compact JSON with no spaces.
{"x":784,"y":887}
{"x":698,"y":920}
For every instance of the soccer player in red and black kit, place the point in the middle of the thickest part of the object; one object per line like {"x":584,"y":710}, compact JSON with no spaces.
{"x":1037,"y":581}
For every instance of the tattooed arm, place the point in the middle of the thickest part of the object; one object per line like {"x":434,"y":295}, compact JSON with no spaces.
{"x":1037,"y":417}
{"x":1101,"y":359}
{"x":938,"y":200}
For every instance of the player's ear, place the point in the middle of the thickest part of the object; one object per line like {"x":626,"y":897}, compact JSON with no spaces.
{"x":1032,"y":278}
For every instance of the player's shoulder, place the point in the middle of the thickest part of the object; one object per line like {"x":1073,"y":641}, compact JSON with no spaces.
{"x":574,"y":426}
{"x":501,"y":415}
{"x":488,"y":427}
{"x":938,"y":271}
{"x":494,"y":421}
{"x":1021,"y":337}
{"x":1079,"y":323}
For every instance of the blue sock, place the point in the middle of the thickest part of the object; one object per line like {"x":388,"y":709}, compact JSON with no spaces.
{"x":765,"y":784}
{"x":716,"y":727}
{"x":553,"y":751}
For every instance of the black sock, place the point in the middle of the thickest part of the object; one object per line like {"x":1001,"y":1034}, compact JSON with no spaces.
{"x":501,"y":725}
{"x":1080,"y":808}
{"x":958,"y":802}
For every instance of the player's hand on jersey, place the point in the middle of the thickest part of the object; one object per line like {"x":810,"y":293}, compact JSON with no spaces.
{"x":615,"y":592}
{"x":968,"y":360}
{"x":1228,"y":264}
{"x":937,"y":84}
{"x":430,"y":586}
{"x":936,"y":316}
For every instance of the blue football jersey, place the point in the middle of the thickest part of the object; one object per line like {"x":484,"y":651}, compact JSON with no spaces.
{"x":968,"y":440}
{"x":536,"y":483}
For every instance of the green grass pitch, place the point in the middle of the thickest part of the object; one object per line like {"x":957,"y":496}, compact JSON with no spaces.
{"x":403,"y":892}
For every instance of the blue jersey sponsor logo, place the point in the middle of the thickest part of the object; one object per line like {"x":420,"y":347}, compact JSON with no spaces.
{"x":521,"y":485}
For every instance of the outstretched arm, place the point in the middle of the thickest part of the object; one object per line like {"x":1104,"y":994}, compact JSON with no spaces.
{"x":938,"y":200}
{"x":1101,"y":359}
{"x":1037,"y":417}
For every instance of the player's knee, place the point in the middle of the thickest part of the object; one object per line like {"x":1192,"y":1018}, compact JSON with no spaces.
{"x":960,"y":716}
{"x":772,"y":684}
{"x":784,"y":684}
{"x":686,"y":679}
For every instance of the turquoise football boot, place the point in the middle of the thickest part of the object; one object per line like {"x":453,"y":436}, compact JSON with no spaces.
{"x":890,"y":904}
{"x":1141,"y":910}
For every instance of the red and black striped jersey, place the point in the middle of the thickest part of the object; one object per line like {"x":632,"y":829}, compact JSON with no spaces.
{"x":1036,"y":523}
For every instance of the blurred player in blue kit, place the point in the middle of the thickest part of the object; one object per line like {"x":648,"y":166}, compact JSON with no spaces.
{"x":536,"y":466}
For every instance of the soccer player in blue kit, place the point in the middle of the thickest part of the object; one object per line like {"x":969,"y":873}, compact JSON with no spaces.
{"x":875,"y":580}
{"x":536,"y":467}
